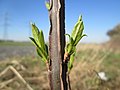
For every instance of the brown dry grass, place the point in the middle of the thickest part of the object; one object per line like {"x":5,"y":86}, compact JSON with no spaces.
{"x":89,"y":58}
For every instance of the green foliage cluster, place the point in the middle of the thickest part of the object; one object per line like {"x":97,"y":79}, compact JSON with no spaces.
{"x":39,"y":42}
{"x":47,"y":4}
{"x":70,"y":49}
{"x":74,"y":38}
{"x":115,"y":32}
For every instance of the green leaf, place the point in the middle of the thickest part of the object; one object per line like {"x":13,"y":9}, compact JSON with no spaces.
{"x":71,"y":41}
{"x":42,"y":53}
{"x":69,"y":48}
{"x":38,"y":52}
{"x":78,"y":31}
{"x":47,"y":4}
{"x":34,"y":42}
{"x":70,"y":45}
{"x":46,"y":48}
{"x":80,"y":18}
{"x":35,"y":32}
{"x":70,"y":63}
{"x":76,"y":28}
{"x":78,"y":39}
{"x":41,"y":40}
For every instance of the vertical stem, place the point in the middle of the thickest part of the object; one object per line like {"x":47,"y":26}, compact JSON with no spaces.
{"x":49,"y":75}
{"x":62,"y":43}
{"x":57,"y":45}
{"x":69,"y":83}
{"x":62,"y":40}
{"x":56,"y":38}
{"x":64,"y":76}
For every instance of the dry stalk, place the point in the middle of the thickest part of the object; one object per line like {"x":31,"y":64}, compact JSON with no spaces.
{"x":5,"y":83}
{"x":17,"y":74}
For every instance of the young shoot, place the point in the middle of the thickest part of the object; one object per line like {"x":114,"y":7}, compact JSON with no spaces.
{"x":74,"y":38}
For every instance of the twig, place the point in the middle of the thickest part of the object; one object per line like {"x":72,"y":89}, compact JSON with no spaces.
{"x":20,"y":77}
{"x":5,"y":71}
{"x":17,"y":74}
{"x":3,"y":84}
{"x":69,"y":85}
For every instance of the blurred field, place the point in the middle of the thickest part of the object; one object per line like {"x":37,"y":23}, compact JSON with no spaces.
{"x":10,"y":49}
{"x":90,"y":58}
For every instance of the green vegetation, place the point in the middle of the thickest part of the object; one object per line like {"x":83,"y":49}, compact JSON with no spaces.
{"x":14,"y":43}
{"x":74,"y":38}
{"x":70,"y":49}
{"x":114,"y":35}
{"x":39,"y":42}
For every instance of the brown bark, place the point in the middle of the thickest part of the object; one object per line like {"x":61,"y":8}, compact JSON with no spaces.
{"x":54,"y":45}
{"x":57,"y":45}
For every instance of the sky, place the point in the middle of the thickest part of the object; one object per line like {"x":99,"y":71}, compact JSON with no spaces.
{"x":99,"y":16}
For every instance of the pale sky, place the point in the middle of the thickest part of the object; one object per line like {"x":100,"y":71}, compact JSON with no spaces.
{"x":99,"y":16}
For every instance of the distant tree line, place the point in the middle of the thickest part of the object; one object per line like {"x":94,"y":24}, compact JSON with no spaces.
{"x":114,"y":33}
{"x":6,"y":40}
